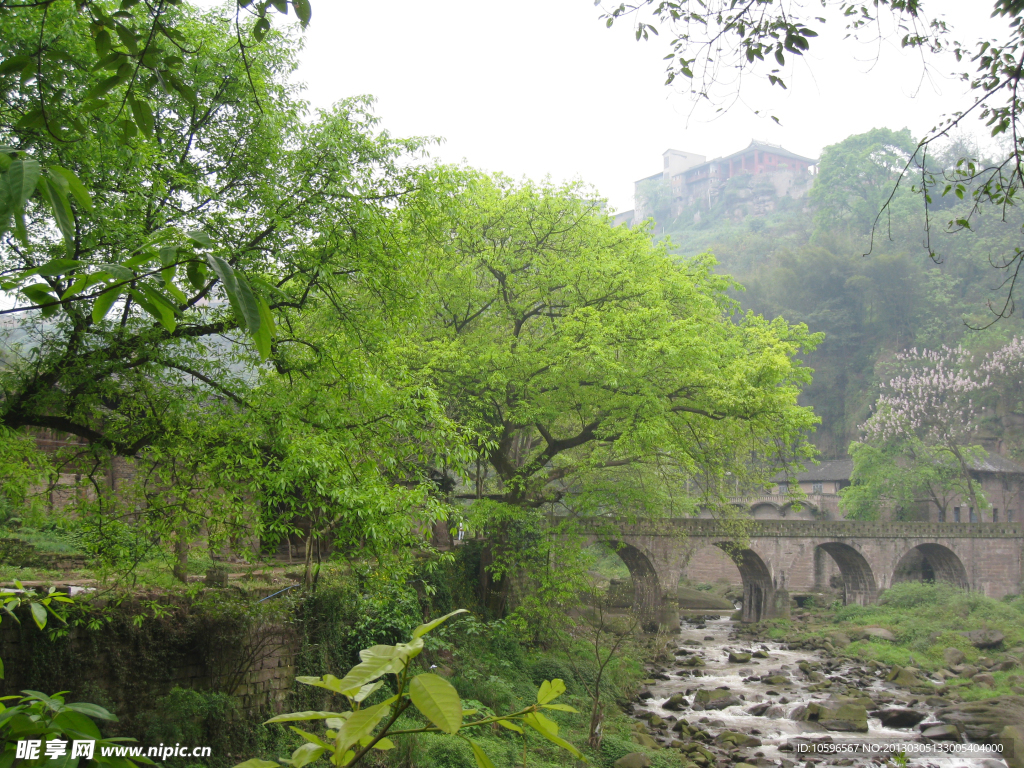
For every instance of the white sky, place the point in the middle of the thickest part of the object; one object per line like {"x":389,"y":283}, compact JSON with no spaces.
{"x":542,"y":87}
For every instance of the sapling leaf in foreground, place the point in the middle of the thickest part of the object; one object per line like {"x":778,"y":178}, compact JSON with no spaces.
{"x":349,"y":735}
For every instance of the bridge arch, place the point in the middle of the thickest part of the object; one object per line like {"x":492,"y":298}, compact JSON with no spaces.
{"x":646,"y":584}
{"x":799,"y":510}
{"x":859,"y":583}
{"x":931,"y":562}
{"x":765,"y":510}
{"x":758,"y":586}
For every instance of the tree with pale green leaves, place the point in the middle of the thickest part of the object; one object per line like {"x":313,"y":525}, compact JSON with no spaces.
{"x":601,"y":376}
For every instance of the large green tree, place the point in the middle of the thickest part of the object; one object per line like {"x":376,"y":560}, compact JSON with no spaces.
{"x":599,"y":374}
{"x":240,"y":229}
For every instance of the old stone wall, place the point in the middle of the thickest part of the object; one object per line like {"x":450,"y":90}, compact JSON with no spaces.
{"x":127,"y":664}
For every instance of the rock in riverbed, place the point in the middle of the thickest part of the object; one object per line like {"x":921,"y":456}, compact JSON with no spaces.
{"x":719,"y":698}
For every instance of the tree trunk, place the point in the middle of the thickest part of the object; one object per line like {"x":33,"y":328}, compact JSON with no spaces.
{"x":180,"y":570}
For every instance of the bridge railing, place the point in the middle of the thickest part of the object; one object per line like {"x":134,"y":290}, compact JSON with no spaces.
{"x":831,"y":529}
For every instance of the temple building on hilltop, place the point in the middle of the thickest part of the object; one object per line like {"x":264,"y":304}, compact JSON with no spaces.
{"x":693,"y":179}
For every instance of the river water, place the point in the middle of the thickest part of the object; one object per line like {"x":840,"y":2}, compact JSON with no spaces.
{"x":712,"y":638}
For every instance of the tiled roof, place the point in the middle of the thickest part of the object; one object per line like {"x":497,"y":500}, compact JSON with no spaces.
{"x":838,"y":469}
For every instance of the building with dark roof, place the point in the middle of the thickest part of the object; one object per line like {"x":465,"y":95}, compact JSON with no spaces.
{"x":999,"y":479}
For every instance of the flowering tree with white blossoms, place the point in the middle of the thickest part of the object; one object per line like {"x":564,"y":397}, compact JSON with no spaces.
{"x":917,"y":443}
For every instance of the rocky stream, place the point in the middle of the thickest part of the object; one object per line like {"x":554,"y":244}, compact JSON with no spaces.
{"x":725,"y":698}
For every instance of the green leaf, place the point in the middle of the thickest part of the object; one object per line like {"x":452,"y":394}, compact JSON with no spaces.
{"x":250,"y":307}
{"x":436,"y":698}
{"x":196,"y":273}
{"x":362,"y":723}
{"x":295,"y":717}
{"x":77,"y":725}
{"x":367,"y":690}
{"x":38,"y":293}
{"x":560,"y":707}
{"x":550,"y":690}
{"x":58,"y":267}
{"x":226,"y":274}
{"x":104,"y":86}
{"x":22,"y":176}
{"x":303,"y":10}
{"x":61,"y":212}
{"x":102,"y":43}
{"x":306,"y":754}
{"x":549,"y":730}
{"x":115,"y":271}
{"x":384,"y":744}
{"x":94,"y":711}
{"x":258,"y":763}
{"x":422,"y":629}
{"x":143,"y":114}
{"x":103,"y":304}
{"x":38,"y":615}
{"x":165,"y":310}
{"x":75,"y":186}
{"x":482,"y":760}
{"x":510,"y":725}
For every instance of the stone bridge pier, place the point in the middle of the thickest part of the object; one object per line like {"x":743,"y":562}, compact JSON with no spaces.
{"x":775,"y":557}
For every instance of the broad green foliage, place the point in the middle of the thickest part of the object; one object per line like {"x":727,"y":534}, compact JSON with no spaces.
{"x":352,"y":733}
{"x":577,"y":350}
{"x":35,"y":716}
{"x":131,"y":61}
{"x":599,"y":375}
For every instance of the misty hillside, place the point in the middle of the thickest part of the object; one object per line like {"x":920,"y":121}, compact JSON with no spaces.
{"x":866,"y":281}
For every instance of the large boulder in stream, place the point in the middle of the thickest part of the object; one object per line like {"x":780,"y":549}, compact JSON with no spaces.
{"x":718,"y":698}
{"x":738,"y":657}
{"x":676,"y":703}
{"x":736,"y":739}
{"x":837,"y":716}
{"x":984,"y":720}
{"x":901,"y":718}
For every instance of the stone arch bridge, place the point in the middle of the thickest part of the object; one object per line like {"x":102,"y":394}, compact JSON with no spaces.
{"x":774,"y":556}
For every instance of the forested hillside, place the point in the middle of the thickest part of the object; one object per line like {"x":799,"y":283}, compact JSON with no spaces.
{"x":869,"y":285}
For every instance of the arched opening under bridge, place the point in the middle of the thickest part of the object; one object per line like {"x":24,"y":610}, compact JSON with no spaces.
{"x":858,"y":581}
{"x":931,"y":562}
{"x":642,"y":580}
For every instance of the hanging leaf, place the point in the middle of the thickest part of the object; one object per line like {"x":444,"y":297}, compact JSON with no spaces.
{"x":22,"y":176}
{"x":61,"y":211}
{"x":250,"y":306}
{"x":74,"y":185}
{"x":58,"y":267}
{"x":103,"y":303}
{"x":303,"y":10}
{"x":226,"y":274}
{"x":143,"y":115}
{"x":438,"y":700}
{"x":38,"y":615}
{"x":196,"y":273}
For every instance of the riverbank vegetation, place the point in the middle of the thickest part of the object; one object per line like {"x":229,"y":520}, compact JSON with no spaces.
{"x":947,"y":635}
